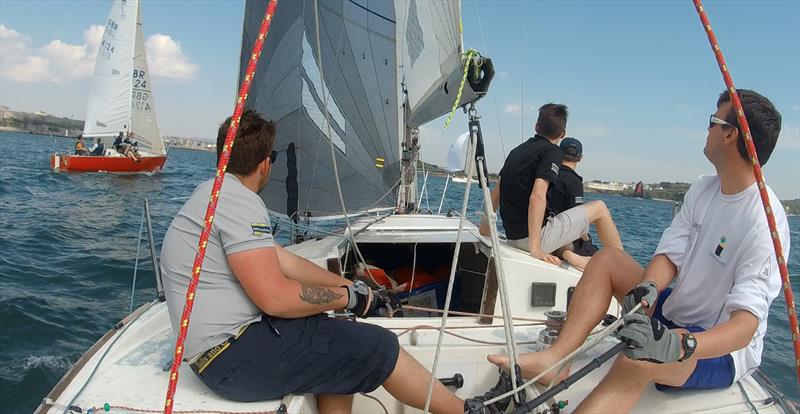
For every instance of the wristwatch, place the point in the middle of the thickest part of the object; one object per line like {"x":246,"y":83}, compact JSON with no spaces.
{"x":689,"y":345}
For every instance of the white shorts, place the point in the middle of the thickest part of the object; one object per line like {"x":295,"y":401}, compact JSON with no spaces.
{"x":559,"y":230}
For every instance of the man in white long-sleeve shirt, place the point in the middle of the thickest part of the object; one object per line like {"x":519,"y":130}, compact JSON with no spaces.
{"x":707,"y":330}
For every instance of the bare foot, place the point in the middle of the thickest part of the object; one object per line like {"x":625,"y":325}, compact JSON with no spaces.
{"x":532,"y":364}
{"x":576,"y":260}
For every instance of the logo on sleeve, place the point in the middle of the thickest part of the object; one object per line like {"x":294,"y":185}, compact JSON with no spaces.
{"x":579,"y":200}
{"x":260,"y":229}
{"x":554,"y":167}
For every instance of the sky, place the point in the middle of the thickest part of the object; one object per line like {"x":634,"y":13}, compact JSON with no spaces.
{"x":639,"y":78}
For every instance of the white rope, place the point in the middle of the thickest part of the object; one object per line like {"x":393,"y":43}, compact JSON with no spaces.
{"x":424,"y":187}
{"x":508,"y":326}
{"x":444,"y":192}
{"x":470,"y":156}
{"x":424,"y":192}
{"x":136,"y":262}
{"x":610,"y":329}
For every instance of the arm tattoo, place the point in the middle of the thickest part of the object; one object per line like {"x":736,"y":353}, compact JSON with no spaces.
{"x":318,"y":295}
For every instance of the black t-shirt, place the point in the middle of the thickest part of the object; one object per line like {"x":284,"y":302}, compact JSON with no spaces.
{"x":534,"y":158}
{"x":565,"y":193}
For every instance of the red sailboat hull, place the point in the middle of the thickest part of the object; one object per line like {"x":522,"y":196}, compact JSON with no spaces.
{"x":125,"y":165}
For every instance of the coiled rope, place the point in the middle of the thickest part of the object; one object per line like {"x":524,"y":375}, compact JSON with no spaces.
{"x":212,"y":205}
{"x":762,"y":186}
{"x":467,"y":61}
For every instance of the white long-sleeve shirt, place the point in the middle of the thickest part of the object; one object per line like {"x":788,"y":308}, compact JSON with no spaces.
{"x":722,"y":247}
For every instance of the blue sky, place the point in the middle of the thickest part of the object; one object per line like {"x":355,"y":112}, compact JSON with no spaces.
{"x":639,"y":77}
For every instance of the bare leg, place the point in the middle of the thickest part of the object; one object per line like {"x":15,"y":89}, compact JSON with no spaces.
{"x":409,"y":384}
{"x":598,"y":214}
{"x":575,"y":259}
{"x":621,"y":389}
{"x":335,"y":403}
{"x":610,"y":272}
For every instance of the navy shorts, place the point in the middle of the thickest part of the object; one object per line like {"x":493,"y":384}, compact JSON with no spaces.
{"x":319,"y":355}
{"x":709,"y":373}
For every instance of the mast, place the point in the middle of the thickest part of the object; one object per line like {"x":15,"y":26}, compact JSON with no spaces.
{"x":407,"y":193}
{"x":136,"y":30}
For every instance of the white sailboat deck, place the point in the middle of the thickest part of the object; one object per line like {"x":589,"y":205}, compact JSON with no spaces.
{"x":129,"y":367}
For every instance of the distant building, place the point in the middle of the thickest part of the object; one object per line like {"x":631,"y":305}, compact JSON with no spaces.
{"x":611,"y":186}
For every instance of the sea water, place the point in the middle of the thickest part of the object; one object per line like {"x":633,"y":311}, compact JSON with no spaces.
{"x":68,"y":247}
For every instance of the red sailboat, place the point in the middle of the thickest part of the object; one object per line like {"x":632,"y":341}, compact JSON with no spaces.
{"x":121,"y":101}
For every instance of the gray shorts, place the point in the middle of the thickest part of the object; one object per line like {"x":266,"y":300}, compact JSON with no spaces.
{"x":559,"y":230}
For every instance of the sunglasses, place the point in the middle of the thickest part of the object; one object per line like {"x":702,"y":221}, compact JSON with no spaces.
{"x":713,"y":120}
{"x":272,"y":156}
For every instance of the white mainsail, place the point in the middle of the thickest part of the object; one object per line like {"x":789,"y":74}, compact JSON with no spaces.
{"x":121,"y":96}
{"x":109,"y":107}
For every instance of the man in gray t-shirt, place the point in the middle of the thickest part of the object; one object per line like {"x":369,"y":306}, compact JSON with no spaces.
{"x":222,"y":306}
{"x":259,"y":330}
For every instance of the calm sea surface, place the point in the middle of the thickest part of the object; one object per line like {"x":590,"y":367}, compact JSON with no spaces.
{"x":68,"y":246}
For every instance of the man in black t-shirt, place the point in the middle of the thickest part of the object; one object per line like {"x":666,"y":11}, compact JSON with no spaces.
{"x":567,"y":191}
{"x":567,"y":212}
{"x":521,"y":193}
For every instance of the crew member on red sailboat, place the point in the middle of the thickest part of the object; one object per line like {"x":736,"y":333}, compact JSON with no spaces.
{"x":123,"y":146}
{"x":80,"y":148}
{"x":97,"y":148}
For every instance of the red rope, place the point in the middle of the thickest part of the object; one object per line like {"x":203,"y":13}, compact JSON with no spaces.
{"x":212,"y":205}
{"x":751,"y":151}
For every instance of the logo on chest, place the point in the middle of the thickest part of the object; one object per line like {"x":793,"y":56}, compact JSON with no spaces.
{"x":720,"y":246}
{"x":719,"y":250}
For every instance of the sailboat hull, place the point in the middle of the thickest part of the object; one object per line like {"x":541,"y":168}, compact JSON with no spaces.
{"x":122,"y":165}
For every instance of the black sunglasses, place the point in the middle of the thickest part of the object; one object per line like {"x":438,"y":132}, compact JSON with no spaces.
{"x":713,"y":120}
{"x":272,"y":156}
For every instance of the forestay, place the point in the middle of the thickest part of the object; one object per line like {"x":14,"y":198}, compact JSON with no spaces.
{"x":360,"y":82}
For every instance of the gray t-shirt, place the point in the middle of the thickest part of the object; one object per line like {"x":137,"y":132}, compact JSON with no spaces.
{"x":221,"y":305}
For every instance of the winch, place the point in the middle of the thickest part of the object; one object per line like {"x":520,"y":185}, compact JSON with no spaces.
{"x":553,"y":325}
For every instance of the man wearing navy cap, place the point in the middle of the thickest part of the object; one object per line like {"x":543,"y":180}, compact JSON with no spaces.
{"x":568,"y":215}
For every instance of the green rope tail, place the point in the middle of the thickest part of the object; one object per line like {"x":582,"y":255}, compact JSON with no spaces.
{"x":468,"y":58}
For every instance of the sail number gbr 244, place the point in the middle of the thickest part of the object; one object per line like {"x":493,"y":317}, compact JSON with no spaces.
{"x":141,"y":96}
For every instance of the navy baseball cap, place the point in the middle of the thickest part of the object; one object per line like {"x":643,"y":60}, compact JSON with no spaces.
{"x":571,"y":146}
